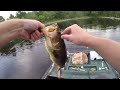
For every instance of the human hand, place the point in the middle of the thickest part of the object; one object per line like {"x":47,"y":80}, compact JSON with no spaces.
{"x":75,"y":34}
{"x":30,"y":29}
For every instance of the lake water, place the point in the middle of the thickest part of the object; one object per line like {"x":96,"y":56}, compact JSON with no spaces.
{"x":29,"y":60}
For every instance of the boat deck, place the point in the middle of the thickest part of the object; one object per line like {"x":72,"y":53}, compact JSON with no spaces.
{"x":94,"y":69}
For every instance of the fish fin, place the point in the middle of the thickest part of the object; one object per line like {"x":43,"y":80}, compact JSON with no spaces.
{"x":48,"y":51}
{"x":53,"y":45}
{"x":47,"y":48}
{"x":56,"y":67}
{"x":51,"y":56}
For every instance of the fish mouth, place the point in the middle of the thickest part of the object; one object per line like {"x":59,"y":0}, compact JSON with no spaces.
{"x":52,"y":28}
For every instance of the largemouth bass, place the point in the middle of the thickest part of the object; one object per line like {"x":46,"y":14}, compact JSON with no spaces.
{"x":55,"y":45}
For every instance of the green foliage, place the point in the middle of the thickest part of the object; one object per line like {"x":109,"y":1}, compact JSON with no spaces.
{"x":20,"y":14}
{"x":11,"y":16}
{"x":30,"y":15}
{"x":8,"y":48}
{"x":48,"y":16}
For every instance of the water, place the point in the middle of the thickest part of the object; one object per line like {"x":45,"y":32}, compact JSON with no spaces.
{"x":101,"y":27}
{"x":29,"y":60}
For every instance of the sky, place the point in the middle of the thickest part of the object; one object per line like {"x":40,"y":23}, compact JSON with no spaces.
{"x":6,"y":14}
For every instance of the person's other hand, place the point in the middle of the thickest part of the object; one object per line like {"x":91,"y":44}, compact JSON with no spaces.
{"x":75,"y":34}
{"x":30,"y":29}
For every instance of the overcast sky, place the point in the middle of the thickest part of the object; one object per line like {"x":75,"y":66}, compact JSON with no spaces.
{"x":6,"y":14}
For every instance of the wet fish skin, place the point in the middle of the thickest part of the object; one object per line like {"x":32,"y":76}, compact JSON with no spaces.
{"x":55,"y":45}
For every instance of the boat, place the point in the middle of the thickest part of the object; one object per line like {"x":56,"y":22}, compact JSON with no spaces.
{"x":96,"y":68}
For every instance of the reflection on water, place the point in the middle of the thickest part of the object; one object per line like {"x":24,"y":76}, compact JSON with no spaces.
{"x":30,"y":59}
{"x":113,"y":34}
{"x":101,"y":27}
{"x":30,"y":62}
{"x":102,"y":23}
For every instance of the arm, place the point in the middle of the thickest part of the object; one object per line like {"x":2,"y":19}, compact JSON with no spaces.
{"x":7,"y":37}
{"x":108,"y":49}
{"x":9,"y":31}
{"x":27,"y":29}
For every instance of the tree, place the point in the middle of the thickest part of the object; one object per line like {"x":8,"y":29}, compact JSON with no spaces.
{"x":1,"y":19}
{"x":59,"y":14}
{"x":30,"y":15}
{"x":20,"y":14}
{"x":11,"y":16}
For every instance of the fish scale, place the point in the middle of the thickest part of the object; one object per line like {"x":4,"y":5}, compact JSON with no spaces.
{"x":55,"y":45}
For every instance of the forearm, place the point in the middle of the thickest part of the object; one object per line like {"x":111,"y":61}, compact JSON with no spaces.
{"x":10,"y":25}
{"x":107,"y":48}
{"x":6,"y":38}
{"x":9,"y":30}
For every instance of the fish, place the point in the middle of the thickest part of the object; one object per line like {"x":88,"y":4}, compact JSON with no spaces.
{"x":55,"y":45}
